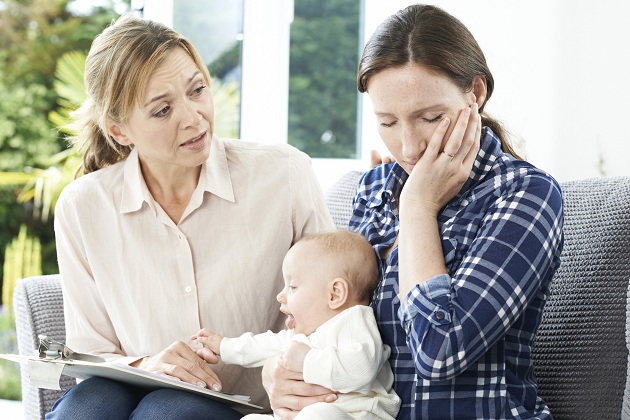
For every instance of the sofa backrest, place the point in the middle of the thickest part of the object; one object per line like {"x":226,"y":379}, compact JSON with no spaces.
{"x":581,"y":354}
{"x":38,"y":304}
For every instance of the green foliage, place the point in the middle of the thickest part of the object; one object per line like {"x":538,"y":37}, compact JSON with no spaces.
{"x":43,"y":186}
{"x":22,"y":258}
{"x":322,"y":86}
{"x":25,"y":133}
{"x":68,"y":82}
{"x":10,"y":386}
{"x":34,"y":34}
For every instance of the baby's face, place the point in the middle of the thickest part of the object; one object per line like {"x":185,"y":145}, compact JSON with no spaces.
{"x":305,"y":296}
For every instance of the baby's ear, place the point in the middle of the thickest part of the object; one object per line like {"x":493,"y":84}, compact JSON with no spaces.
{"x":338,"y":293}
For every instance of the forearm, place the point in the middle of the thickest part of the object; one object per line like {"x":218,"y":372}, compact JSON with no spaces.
{"x":420,"y":252}
{"x":251,"y":350}
{"x":451,"y":320}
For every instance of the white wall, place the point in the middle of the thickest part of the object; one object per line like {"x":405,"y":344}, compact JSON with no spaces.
{"x":562,"y":77}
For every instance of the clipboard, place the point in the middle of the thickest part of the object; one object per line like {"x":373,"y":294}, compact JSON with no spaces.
{"x":56,"y":359}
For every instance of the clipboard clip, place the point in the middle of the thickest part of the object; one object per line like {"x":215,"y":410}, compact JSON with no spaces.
{"x":55,"y":350}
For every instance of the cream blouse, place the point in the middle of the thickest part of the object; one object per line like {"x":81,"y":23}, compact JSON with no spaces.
{"x":134,"y":281}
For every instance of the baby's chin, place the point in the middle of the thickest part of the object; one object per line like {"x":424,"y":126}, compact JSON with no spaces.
{"x":296,"y":327}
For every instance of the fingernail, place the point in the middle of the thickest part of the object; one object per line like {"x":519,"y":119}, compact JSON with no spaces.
{"x":201,"y":384}
{"x":331,"y":398}
{"x":216,"y":387}
{"x":445,"y":122}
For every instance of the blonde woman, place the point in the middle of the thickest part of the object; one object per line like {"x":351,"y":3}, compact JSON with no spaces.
{"x":170,"y":229}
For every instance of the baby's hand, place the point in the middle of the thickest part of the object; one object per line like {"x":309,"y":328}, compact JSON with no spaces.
{"x":293,"y":357}
{"x":210,"y":340}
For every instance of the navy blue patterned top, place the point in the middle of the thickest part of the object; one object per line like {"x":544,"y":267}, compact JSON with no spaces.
{"x":461,"y":342}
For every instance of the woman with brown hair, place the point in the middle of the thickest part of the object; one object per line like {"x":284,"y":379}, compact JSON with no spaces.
{"x":468,"y":234}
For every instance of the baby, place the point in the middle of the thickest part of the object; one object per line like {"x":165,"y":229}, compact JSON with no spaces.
{"x":332,"y":336}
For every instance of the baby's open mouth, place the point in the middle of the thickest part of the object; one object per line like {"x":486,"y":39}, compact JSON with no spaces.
{"x":290,"y":322}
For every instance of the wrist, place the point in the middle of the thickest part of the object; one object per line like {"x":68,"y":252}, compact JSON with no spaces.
{"x":416,"y":208}
{"x":217,"y":349}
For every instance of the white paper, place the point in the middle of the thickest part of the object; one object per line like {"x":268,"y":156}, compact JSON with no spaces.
{"x":45,"y":373}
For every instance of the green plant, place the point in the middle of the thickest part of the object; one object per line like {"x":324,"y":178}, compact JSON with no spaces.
{"x":43,"y":185}
{"x":22,"y":258}
{"x":10,"y":388}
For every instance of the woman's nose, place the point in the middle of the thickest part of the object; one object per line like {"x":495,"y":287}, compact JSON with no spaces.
{"x":412,"y":144}
{"x":191,"y":117}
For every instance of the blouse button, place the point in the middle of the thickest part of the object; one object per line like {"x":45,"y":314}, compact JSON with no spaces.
{"x":439,"y":315}
{"x":188,"y":289}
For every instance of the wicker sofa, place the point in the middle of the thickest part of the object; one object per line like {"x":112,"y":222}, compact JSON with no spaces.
{"x":581,"y":354}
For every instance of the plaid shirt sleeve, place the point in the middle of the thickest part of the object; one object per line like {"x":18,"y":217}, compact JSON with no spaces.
{"x":505,"y":256}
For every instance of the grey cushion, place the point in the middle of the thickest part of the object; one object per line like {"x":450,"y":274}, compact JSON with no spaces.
{"x":580,"y":355}
{"x":38,"y":304}
{"x":339,"y":198}
{"x":625,"y":413}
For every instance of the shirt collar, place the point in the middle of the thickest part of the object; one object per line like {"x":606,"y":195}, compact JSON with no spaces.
{"x":214,"y":178}
{"x":215,"y":173}
{"x":489,"y":152}
{"x":134,"y":191}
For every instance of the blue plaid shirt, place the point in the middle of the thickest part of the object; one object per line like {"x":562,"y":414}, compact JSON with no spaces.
{"x":461,"y":342}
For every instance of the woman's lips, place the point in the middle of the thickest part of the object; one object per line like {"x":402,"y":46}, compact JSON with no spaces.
{"x":197,"y":143}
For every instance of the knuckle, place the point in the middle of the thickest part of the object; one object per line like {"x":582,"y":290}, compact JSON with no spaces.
{"x":177,"y":345}
{"x":171,"y":370}
{"x":189,"y":365}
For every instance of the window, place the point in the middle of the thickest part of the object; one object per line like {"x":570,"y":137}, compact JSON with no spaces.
{"x":289,"y":67}
{"x":323,"y":100}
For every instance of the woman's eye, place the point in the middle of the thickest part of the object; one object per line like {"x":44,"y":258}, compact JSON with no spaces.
{"x":434,"y":120}
{"x":199,"y":90}
{"x":292,"y":288}
{"x":162,"y":112}
{"x":387,"y":125}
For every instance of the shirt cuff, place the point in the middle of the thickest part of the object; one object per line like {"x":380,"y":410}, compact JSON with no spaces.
{"x":430,"y":300}
{"x":125,"y":360}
